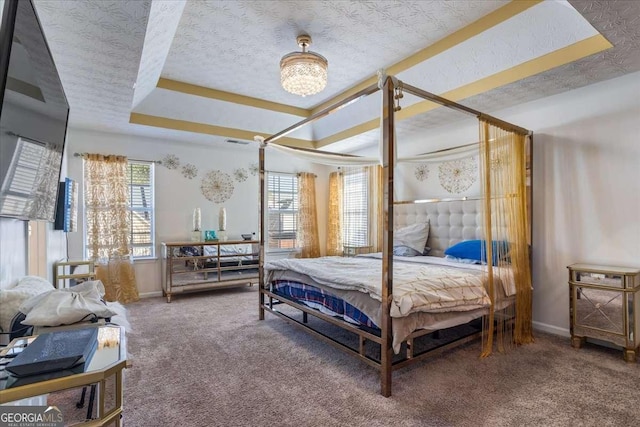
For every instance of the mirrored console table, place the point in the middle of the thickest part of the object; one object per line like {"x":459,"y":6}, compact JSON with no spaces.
{"x":195,"y":266}
{"x":605,"y":305}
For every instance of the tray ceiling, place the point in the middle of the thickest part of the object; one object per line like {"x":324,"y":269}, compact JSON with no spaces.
{"x":206,"y":71}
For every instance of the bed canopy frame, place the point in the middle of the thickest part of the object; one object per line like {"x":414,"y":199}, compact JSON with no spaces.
{"x":389,"y":87}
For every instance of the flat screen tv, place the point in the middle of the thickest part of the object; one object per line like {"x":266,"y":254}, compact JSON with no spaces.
{"x":33,"y":117}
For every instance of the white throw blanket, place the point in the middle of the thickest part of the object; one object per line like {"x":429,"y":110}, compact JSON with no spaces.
{"x":416,"y":287}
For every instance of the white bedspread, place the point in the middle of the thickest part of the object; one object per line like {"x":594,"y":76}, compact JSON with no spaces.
{"x":504,"y":274}
{"x":417,"y":287}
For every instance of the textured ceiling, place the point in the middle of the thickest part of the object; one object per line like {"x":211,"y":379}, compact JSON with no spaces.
{"x":110,"y":54}
{"x":618,"y":21}
{"x":161,"y":28}
{"x":231,"y":45}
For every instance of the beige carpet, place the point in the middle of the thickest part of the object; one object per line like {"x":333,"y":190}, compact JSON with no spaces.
{"x":205,"y":360}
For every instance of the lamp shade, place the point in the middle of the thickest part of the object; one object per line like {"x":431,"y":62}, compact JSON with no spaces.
{"x":303,"y":73}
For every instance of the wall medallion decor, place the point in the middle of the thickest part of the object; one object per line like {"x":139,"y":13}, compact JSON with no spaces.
{"x":457,"y":176}
{"x":171,"y":161}
{"x":241,"y":174}
{"x":189,"y":171}
{"x":421,"y":172}
{"x":217,"y":186}
{"x":253,"y":169}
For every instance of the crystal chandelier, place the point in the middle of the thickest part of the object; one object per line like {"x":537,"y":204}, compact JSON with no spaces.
{"x":303,"y":73}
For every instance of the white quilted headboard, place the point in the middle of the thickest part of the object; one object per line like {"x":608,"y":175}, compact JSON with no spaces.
{"x":450,"y":221}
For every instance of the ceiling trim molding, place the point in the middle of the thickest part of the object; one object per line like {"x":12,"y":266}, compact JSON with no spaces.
{"x":488,"y":21}
{"x":529,"y":68}
{"x":183,"y":125}
{"x":565,"y":55}
{"x":235,"y":98}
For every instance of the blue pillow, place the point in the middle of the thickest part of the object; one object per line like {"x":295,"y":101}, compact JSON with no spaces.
{"x":475,"y":249}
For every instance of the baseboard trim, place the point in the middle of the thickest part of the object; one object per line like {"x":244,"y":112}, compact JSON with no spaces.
{"x":551,"y":329}
{"x":150,"y":294}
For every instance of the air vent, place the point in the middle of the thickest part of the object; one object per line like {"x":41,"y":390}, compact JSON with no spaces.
{"x":236,"y":141}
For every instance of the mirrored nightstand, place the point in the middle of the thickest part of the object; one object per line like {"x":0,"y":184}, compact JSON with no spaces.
{"x":605,"y":305}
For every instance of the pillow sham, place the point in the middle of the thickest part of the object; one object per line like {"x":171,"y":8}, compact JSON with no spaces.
{"x":413,"y":236}
{"x":402,"y":250}
{"x":476,"y":250}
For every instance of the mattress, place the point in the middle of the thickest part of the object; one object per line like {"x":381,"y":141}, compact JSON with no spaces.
{"x":344,"y":281}
{"x":322,"y":301}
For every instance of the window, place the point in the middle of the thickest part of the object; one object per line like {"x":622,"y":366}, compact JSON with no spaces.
{"x":355,"y":207}
{"x":282,"y":207}
{"x":141,"y":209}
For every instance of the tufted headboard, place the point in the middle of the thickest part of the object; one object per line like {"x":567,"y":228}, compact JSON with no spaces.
{"x":450,"y":221}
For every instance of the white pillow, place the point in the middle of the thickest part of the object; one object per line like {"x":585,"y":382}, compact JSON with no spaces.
{"x":414,"y":236}
{"x":67,"y":306}
{"x":89,"y":286}
{"x":11,"y":299}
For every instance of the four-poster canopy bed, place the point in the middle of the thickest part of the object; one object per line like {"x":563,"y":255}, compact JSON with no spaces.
{"x":424,"y":298}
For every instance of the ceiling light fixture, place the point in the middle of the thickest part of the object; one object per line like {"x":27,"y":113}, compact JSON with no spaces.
{"x":303,"y":73}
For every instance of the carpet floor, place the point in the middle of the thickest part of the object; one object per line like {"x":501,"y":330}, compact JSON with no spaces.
{"x":206,"y":360}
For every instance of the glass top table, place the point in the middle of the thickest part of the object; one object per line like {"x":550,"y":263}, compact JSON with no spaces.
{"x":109,"y":359}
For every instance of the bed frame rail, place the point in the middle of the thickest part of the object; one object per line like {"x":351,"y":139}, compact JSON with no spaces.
{"x":409,"y":357}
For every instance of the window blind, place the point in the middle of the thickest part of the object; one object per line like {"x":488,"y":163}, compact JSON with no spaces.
{"x":282,"y":207}
{"x":355,"y":207}
{"x":141,"y":209}
{"x":31,"y":183}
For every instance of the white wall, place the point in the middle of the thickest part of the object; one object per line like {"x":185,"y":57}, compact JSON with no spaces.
{"x":14,"y":247}
{"x":177,"y":196}
{"x":13,"y":251}
{"x":586,"y":183}
{"x":586,"y":186}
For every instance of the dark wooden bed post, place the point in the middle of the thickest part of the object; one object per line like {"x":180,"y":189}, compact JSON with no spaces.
{"x":261,"y":231}
{"x":388,"y":163}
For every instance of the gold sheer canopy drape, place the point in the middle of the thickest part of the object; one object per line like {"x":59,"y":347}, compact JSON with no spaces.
{"x":334,"y":217}
{"x":503,"y":176}
{"x":106,"y":199}
{"x":376,"y":200}
{"x":308,"y":240}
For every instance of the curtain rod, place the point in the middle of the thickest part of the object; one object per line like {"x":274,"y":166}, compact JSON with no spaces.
{"x":158,"y":162}
{"x":17,"y":135}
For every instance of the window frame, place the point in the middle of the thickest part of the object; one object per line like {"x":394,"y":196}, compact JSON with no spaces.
{"x":268,"y":212}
